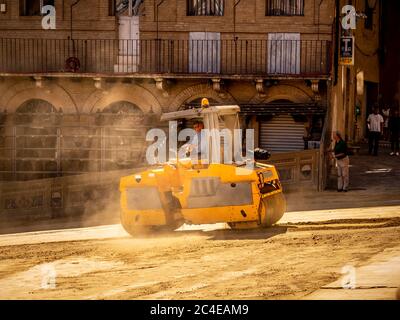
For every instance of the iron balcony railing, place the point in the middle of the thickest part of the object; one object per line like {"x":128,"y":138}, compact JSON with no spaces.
{"x":294,"y":58}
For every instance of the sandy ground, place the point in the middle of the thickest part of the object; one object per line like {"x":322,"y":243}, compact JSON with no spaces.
{"x":290,"y":261}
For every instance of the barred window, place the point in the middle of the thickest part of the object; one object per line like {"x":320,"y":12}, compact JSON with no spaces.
{"x":205,"y":7}
{"x":118,"y":7}
{"x":33,"y":7}
{"x":285,"y":8}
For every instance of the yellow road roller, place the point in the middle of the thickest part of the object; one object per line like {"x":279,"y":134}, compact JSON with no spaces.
{"x":181,"y":190}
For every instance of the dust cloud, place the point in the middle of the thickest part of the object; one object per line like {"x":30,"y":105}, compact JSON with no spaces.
{"x":93,"y":152}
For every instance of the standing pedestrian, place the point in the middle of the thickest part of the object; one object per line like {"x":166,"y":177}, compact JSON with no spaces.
{"x":386,"y":115}
{"x":342,"y":162}
{"x":375,"y":126}
{"x":394,"y":130}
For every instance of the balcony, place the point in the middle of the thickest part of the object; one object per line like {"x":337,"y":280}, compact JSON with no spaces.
{"x":166,"y":58}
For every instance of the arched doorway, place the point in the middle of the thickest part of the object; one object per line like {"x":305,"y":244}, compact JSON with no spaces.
{"x":36,"y":140}
{"x":123,"y":137}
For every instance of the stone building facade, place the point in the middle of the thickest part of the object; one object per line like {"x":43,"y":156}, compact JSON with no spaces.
{"x":79,"y":98}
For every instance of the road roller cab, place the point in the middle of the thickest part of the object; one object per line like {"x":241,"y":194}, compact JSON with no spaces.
{"x":243,"y":194}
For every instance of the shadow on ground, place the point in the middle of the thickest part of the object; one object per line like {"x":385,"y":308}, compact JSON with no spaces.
{"x":251,"y":234}
{"x":222,"y":234}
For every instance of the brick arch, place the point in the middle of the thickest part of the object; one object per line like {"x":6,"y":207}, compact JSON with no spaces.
{"x":51,"y":92}
{"x":284,"y":92}
{"x":39,"y":104}
{"x":134,"y":94}
{"x":199,"y":91}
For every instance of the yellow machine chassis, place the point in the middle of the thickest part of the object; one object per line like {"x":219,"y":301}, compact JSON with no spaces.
{"x":174,"y":194}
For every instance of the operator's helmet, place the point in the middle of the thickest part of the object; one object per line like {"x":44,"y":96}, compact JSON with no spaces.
{"x":205,"y":103}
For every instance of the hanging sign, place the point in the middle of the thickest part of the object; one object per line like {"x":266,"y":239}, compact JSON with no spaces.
{"x":347,"y":51}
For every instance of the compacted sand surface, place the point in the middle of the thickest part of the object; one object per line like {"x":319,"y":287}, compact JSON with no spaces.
{"x":288,"y":261}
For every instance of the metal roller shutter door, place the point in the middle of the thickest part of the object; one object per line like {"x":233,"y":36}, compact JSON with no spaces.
{"x":281,"y":134}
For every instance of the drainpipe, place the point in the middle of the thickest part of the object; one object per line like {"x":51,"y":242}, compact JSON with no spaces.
{"x":71,"y":10}
{"x":71,"y":34}
{"x":157,"y":6}
{"x":157,"y":36}
{"x":234,"y":28}
{"x":319,"y":14}
{"x":234,"y":18}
